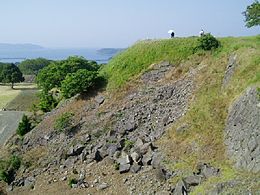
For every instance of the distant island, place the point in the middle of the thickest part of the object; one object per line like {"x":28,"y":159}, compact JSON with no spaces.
{"x":26,"y":46}
{"x":109,"y":51}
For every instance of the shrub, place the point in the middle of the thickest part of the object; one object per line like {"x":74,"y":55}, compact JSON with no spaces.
{"x":78,"y":82}
{"x":47,"y":101}
{"x":24,"y":126}
{"x":15,"y":162}
{"x":8,"y":168}
{"x":72,"y":181}
{"x":64,"y":122}
{"x":4,"y":176}
{"x":208,"y":42}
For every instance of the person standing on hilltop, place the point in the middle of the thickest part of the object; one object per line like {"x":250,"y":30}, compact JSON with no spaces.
{"x":202,"y":32}
{"x":172,"y":34}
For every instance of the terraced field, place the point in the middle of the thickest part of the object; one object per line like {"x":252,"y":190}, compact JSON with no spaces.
{"x":16,"y":102}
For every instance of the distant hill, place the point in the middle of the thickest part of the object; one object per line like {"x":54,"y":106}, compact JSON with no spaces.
{"x":109,"y":51}
{"x":26,"y":46}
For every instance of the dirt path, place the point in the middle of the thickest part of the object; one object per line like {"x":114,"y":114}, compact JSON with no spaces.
{"x":9,"y":121}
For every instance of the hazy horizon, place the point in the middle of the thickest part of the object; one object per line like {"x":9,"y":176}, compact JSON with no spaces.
{"x":115,"y":23}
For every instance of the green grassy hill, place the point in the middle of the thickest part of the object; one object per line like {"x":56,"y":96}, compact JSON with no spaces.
{"x":136,"y":59}
{"x":208,"y":110}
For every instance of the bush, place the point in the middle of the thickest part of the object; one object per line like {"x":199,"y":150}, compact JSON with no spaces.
{"x":72,"y":181}
{"x":15,"y":162}
{"x":64,"y":122}
{"x":208,"y":42}
{"x":8,"y":168}
{"x":78,"y":82}
{"x":47,"y":101}
{"x":24,"y":126}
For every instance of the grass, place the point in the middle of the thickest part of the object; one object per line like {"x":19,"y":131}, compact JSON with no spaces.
{"x":136,"y":59}
{"x":21,"y":98}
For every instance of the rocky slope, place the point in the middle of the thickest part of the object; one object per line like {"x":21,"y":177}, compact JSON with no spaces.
{"x":138,"y":141}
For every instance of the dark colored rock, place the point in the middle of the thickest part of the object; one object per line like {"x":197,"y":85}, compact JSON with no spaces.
{"x":75,"y":150}
{"x":98,"y":156}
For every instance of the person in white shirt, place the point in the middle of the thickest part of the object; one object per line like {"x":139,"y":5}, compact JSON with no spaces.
{"x":201,"y":32}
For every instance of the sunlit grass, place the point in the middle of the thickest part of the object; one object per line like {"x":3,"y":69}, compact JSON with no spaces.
{"x":7,"y":94}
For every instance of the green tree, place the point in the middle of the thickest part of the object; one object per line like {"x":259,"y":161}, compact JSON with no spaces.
{"x":252,"y":14}
{"x":52,"y":75}
{"x":10,"y":73}
{"x":24,"y":126}
{"x":33,"y":66}
{"x":78,"y":82}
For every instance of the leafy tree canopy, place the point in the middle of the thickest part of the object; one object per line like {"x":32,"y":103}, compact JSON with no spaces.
{"x":10,"y":73}
{"x":33,"y":66}
{"x":78,"y":82}
{"x":52,"y":75}
{"x":252,"y":14}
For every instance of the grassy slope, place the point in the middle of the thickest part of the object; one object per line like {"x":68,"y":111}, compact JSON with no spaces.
{"x":139,"y":57}
{"x":208,"y":111}
{"x":20,"y":98}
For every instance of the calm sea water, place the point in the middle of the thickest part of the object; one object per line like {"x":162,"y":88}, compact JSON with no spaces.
{"x":13,"y":56}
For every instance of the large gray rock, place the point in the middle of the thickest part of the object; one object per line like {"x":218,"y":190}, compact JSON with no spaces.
{"x":242,"y":132}
{"x":100,"y":99}
{"x":207,"y":170}
{"x":193,"y":180}
{"x":29,"y":181}
{"x":123,"y":168}
{"x":135,"y":168}
{"x":75,"y":150}
{"x":180,"y":188}
{"x":231,"y":66}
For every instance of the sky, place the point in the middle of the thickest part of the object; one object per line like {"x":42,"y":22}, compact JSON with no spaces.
{"x":117,"y":23}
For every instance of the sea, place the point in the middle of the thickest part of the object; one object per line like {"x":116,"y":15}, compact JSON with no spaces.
{"x":99,"y":55}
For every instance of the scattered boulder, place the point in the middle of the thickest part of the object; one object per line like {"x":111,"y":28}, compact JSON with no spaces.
{"x":136,"y":157}
{"x":123,"y":168}
{"x":29,"y":181}
{"x":135,"y":168}
{"x":75,"y":150}
{"x":207,"y":171}
{"x":180,"y":188}
{"x":193,"y":180}
{"x":100,"y":99}
{"x":147,"y":158}
{"x":102,"y":186}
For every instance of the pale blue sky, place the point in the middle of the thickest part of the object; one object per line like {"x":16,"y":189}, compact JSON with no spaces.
{"x":116,"y":23}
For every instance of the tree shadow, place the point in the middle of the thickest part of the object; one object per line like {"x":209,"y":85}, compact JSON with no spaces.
{"x":25,"y":88}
